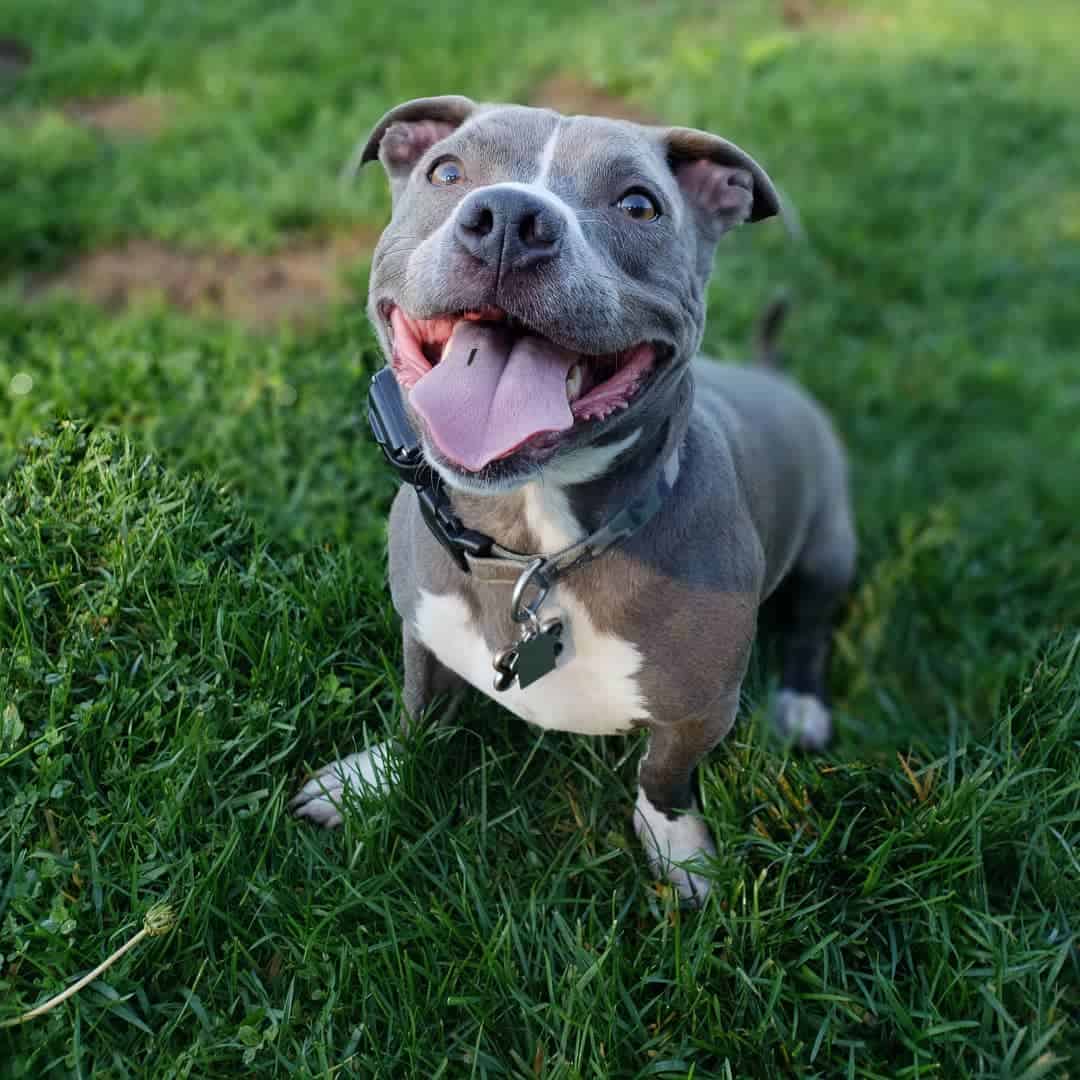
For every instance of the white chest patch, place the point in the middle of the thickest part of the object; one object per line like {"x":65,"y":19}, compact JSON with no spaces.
{"x":593,"y":690}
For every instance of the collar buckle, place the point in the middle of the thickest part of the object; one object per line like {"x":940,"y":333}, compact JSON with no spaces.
{"x":446,"y":527}
{"x":391,"y":428}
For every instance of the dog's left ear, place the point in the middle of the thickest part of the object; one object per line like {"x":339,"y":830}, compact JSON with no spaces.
{"x":722,"y":181}
{"x":408,"y":131}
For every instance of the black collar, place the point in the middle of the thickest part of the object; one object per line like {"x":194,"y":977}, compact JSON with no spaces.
{"x":401,"y":447}
{"x":398,"y":442}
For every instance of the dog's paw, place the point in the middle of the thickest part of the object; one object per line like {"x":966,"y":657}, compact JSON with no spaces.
{"x":804,"y":718}
{"x":369,"y":772}
{"x":672,"y":842}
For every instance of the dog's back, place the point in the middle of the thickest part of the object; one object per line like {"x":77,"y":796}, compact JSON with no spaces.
{"x":788,"y":461}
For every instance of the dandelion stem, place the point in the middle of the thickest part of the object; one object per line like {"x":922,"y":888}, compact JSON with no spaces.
{"x":159,"y":920}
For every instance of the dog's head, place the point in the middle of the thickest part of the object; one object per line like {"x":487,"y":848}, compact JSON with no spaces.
{"x":541,"y":285}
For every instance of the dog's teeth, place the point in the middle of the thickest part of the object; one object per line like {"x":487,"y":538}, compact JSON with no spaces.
{"x":574,"y":379}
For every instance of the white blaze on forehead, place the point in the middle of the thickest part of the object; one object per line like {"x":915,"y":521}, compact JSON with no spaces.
{"x":547,"y":155}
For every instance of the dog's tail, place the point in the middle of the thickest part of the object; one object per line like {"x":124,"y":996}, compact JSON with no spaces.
{"x":766,"y":338}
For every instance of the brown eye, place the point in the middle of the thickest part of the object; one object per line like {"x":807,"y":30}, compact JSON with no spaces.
{"x":639,"y":206}
{"x":448,"y":171}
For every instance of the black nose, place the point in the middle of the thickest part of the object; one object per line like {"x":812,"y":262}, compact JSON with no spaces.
{"x":509,"y":229}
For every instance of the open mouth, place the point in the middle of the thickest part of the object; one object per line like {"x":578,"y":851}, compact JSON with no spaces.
{"x":487,"y":385}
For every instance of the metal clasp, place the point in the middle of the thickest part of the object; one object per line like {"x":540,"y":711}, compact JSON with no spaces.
{"x":520,"y":611}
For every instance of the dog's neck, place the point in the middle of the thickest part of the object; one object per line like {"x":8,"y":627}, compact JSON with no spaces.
{"x":568,"y":501}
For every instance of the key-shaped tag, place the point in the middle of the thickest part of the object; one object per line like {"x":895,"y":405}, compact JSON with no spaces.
{"x":531,"y":658}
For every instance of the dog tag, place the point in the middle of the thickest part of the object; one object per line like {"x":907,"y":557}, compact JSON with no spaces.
{"x":531,"y":659}
{"x":537,"y":655}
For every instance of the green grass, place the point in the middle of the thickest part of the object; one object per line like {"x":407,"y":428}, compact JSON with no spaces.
{"x":193,"y":606}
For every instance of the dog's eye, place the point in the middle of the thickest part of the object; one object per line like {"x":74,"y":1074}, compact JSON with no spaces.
{"x":446,"y":172}
{"x":639,"y":206}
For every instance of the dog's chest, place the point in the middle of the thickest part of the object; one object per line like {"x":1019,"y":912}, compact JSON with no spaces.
{"x":593,"y":690}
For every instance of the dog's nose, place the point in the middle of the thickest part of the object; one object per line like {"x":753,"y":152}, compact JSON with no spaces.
{"x":507,"y":228}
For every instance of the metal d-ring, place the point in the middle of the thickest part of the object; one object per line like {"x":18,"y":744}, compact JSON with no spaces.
{"x":521,"y":612}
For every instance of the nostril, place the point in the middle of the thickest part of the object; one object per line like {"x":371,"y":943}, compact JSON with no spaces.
{"x":481,"y":221}
{"x":536,"y":232}
{"x":527,"y":230}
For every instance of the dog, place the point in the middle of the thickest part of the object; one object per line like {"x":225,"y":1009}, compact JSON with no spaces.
{"x":595,"y":514}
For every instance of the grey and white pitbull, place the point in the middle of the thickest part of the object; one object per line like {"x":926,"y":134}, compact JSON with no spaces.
{"x":540,"y":294}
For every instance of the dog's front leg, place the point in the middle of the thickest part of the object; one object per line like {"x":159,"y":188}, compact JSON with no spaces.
{"x":426,"y":680}
{"x":372,"y":770}
{"x":667,"y":816}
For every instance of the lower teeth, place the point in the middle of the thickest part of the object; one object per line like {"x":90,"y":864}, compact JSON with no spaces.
{"x":573,"y":382}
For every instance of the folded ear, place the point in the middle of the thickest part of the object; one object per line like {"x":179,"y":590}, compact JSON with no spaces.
{"x":408,"y":131}
{"x":719,"y":178}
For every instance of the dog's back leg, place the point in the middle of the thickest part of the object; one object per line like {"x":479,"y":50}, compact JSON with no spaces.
{"x":812,"y":594}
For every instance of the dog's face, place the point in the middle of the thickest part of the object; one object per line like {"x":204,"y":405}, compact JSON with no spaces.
{"x":541,"y":285}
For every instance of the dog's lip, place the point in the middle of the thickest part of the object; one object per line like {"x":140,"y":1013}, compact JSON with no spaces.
{"x":595,"y":400}
{"x":665,"y":349}
{"x":602,"y":383}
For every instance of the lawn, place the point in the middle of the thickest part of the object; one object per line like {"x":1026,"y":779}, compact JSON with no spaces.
{"x":193,"y":608}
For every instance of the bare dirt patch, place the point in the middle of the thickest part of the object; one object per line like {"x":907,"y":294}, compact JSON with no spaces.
{"x":573,"y":94}
{"x":139,"y":115}
{"x":812,"y":14}
{"x":261,"y":291}
{"x":136,"y":117}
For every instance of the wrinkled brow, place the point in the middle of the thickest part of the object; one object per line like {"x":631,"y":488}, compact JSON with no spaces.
{"x":627,"y":169}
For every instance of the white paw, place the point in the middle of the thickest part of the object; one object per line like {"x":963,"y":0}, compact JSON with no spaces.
{"x":671,"y":842}
{"x":804,"y":718}
{"x":369,"y":772}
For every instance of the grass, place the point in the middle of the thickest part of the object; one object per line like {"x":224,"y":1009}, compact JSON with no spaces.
{"x":193,"y":605}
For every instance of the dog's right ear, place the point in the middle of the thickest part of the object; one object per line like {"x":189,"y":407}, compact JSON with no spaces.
{"x":721,"y":180}
{"x":408,"y":131}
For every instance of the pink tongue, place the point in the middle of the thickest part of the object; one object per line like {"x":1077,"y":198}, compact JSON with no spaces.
{"x":491,"y":392}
